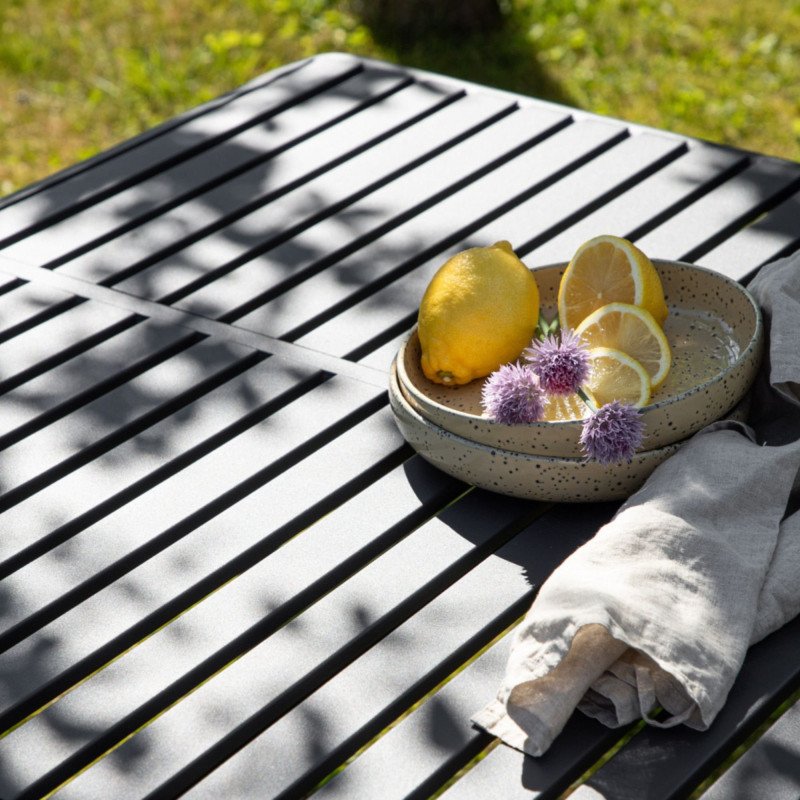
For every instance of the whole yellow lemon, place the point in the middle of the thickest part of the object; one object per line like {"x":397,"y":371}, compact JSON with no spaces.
{"x":479,"y":312}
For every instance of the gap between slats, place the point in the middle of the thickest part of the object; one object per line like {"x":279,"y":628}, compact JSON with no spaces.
{"x":483,"y":752}
{"x":268,"y":625}
{"x":292,"y":696}
{"x":130,"y":144}
{"x":101,"y":658}
{"x":184,"y":155}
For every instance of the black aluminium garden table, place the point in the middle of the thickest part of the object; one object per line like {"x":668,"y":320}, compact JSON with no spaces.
{"x":224,"y":574}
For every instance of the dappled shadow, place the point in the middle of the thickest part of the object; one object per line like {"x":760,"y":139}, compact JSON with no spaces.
{"x":770,"y":769}
{"x":248,"y":228}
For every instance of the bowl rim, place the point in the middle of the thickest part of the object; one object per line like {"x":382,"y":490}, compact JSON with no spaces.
{"x":500,"y":452}
{"x":746,"y":352}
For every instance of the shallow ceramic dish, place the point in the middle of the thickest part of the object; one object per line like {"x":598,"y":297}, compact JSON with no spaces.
{"x":532,"y":477}
{"x":715,"y":331}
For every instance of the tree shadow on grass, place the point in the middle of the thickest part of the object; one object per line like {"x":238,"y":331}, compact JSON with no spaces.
{"x":504,"y":58}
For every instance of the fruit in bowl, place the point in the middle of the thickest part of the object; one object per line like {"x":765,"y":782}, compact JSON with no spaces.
{"x":713,"y":330}
{"x":479,"y":311}
{"x":609,"y":269}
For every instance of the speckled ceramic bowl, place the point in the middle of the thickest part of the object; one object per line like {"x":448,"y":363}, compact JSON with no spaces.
{"x":532,"y":477}
{"x":715,"y":331}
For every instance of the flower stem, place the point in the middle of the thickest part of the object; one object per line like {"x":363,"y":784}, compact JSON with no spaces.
{"x":587,"y":402}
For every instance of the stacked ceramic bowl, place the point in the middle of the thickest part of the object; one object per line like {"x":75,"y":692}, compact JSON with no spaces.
{"x":715,"y":332}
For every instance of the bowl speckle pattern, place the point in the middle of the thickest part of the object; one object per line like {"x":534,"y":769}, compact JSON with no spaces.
{"x":522,"y":475}
{"x":532,"y":477}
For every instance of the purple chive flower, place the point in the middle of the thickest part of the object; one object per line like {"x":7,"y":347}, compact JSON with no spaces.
{"x":512,"y":395}
{"x":613,"y":433}
{"x":562,"y":366}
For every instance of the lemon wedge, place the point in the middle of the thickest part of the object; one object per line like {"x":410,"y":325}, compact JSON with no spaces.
{"x":608,"y":269}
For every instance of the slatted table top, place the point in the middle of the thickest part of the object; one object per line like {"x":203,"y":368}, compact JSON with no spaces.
{"x":223,"y":573}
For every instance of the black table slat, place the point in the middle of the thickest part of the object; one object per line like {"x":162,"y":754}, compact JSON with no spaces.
{"x":173,"y":146}
{"x":242,"y":151}
{"x":768,"y":769}
{"x":206,"y":421}
{"x":384,"y":673}
{"x":237,"y":204}
{"x":349,"y":709}
{"x":393,"y":302}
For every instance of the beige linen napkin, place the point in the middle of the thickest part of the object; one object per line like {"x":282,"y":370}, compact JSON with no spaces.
{"x":659,"y":608}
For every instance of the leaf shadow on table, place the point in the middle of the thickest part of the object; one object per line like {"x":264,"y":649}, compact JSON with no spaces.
{"x":546,"y":535}
{"x":76,"y":535}
{"x":108,"y":414}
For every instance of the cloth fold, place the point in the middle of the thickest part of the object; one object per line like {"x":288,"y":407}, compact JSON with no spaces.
{"x":659,"y":608}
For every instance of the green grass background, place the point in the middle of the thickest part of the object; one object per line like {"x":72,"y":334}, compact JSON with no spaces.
{"x":77,"y":77}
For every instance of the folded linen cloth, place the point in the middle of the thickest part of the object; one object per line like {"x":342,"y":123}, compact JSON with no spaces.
{"x":659,"y":608}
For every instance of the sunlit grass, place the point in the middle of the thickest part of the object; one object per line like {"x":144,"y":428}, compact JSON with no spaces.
{"x":728,"y":71}
{"x":77,"y":77}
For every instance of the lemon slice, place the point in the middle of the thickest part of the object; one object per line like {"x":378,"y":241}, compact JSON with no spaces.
{"x":617,"y":376}
{"x":608,"y":269}
{"x":632,"y":330}
{"x":563,"y":408}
